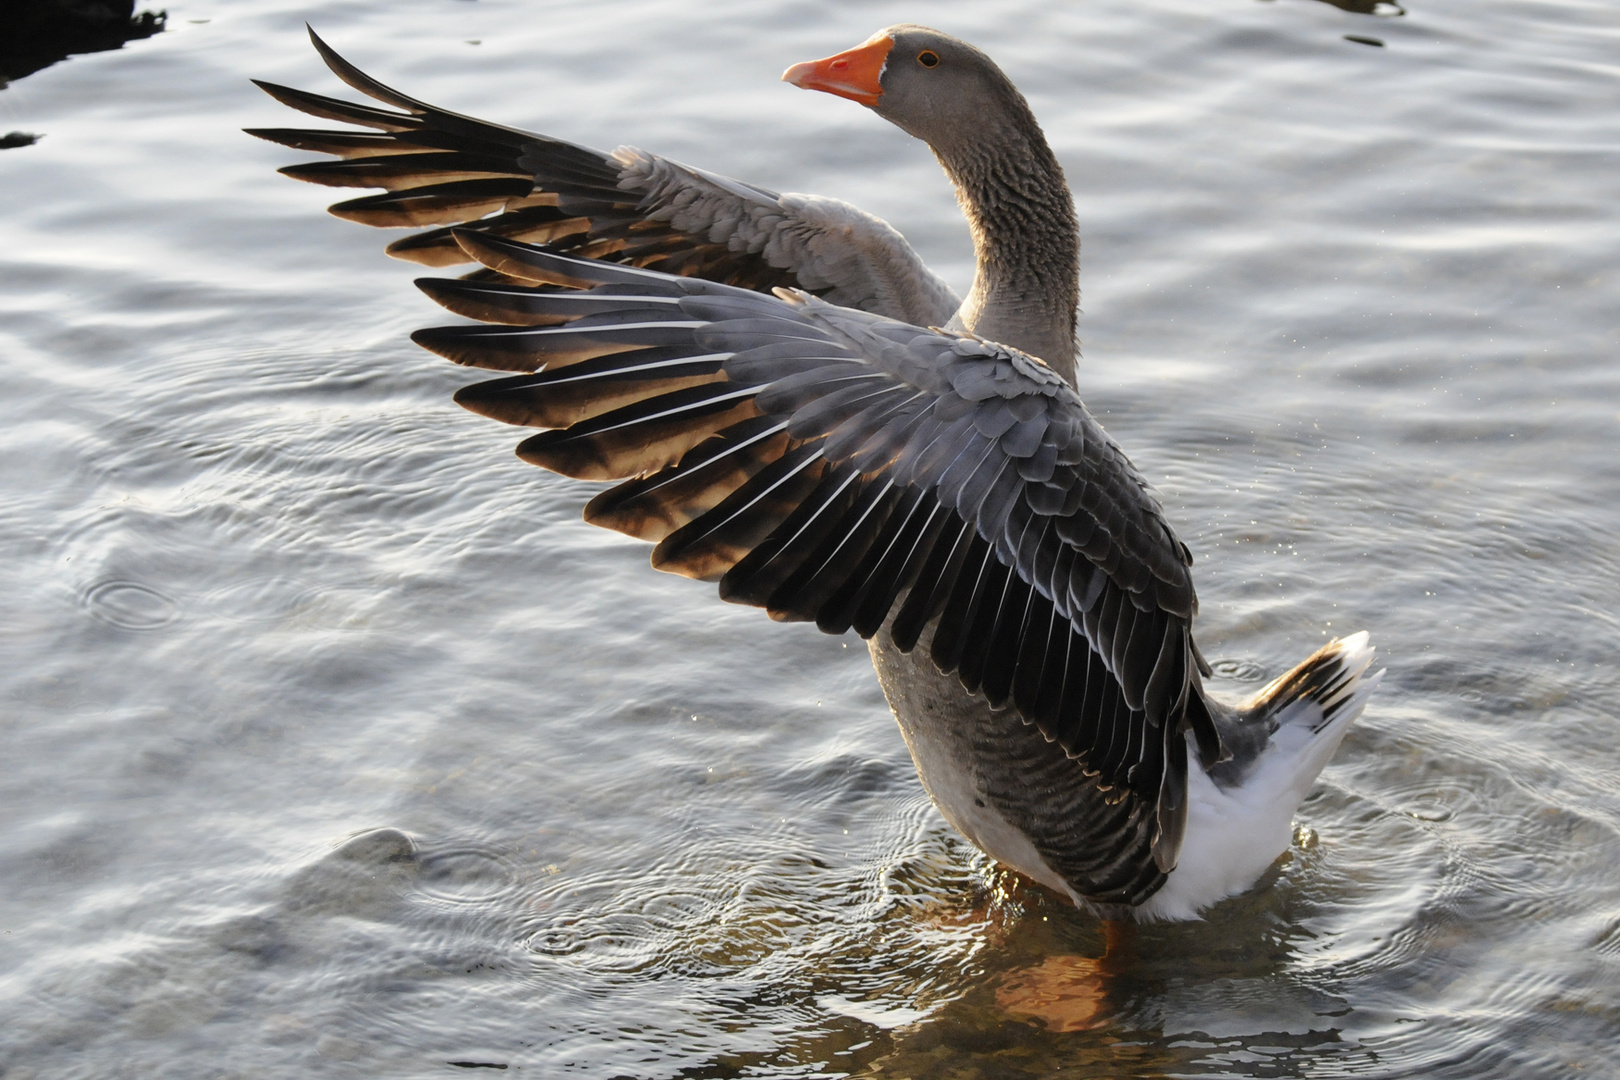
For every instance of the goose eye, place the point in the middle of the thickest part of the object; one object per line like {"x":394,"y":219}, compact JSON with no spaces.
{"x":928,"y":58}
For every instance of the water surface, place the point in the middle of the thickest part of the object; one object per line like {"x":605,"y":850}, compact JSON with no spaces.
{"x":335,"y":744}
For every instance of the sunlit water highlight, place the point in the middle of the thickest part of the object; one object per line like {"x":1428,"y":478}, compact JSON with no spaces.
{"x":334,"y":744}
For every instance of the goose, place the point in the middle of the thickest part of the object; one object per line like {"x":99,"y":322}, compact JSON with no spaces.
{"x":790,"y":404}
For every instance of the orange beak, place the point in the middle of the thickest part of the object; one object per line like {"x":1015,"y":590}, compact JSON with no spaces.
{"x":853,"y":74}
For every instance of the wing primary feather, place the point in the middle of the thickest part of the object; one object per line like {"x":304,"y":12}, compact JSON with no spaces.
{"x":804,"y":529}
{"x":361,"y":81}
{"x":563,"y":396}
{"x":531,"y":305}
{"x":757,"y":576}
{"x":900,"y":565}
{"x":934,"y":581}
{"x":650,"y":508}
{"x":1063,"y":654}
{"x":1125,"y":622}
{"x":830,"y":565}
{"x":1017,"y":623}
{"x":1032,"y":658}
{"x":712,"y":544}
{"x":396,"y":172}
{"x":841,"y":610}
{"x":335,"y":109}
{"x":976,"y":641}
{"x":1089,"y":722}
{"x":950,"y":633}
{"x":1109,"y":725}
{"x":432,"y":204}
{"x":528,"y":262}
{"x":636,"y":366}
{"x":525,"y":348}
{"x":641,"y":437}
{"x":364,"y":83}
{"x":345,"y":144}
{"x":1006,"y":639}
{"x":758,"y":492}
{"x":534,"y":224}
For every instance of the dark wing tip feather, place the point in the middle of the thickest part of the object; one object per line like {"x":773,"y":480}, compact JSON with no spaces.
{"x":642,"y":437}
{"x":535,"y":224}
{"x":336,"y":109}
{"x":361,"y":81}
{"x":279,"y":136}
{"x":493,"y":303}
{"x":529,"y":263}
{"x":434,"y":204}
{"x":653,"y":507}
{"x":455,"y":344}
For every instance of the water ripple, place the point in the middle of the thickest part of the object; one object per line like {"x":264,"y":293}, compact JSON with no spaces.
{"x":1350,"y":310}
{"x":1238,"y":669}
{"x":130,"y":605}
{"x":468,"y":874}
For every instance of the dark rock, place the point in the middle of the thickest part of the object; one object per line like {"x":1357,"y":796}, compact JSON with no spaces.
{"x":35,"y":34}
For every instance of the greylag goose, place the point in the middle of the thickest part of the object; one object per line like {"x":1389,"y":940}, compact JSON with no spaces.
{"x":793,"y":406}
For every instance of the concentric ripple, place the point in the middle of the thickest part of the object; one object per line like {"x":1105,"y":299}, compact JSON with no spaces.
{"x":468,"y":874}
{"x":129,"y":605}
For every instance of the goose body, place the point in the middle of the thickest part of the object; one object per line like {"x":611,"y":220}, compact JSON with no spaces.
{"x":795,"y":407}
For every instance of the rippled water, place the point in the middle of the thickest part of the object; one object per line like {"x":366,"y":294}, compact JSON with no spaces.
{"x":335,"y":744}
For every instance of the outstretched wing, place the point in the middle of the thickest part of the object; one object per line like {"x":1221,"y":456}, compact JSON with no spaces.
{"x":447,"y":170}
{"x":840,"y":467}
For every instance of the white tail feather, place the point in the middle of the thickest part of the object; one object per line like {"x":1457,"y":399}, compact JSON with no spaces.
{"x":1235,"y":832}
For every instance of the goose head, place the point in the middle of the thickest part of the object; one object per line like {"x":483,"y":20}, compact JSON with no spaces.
{"x":940,"y":89}
{"x":927,"y":83}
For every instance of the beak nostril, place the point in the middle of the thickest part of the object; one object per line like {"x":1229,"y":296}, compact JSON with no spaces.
{"x":840,"y":65}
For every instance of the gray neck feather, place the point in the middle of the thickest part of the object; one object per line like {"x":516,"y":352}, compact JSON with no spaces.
{"x":1026,"y":291}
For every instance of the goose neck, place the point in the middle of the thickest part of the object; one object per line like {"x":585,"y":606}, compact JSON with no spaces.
{"x":1026,"y":285}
